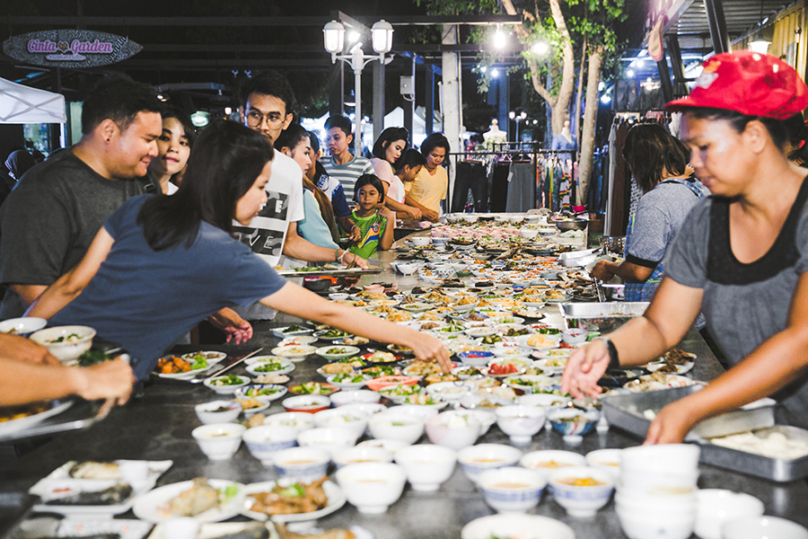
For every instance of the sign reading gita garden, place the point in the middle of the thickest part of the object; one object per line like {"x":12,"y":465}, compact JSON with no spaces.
{"x":70,"y":48}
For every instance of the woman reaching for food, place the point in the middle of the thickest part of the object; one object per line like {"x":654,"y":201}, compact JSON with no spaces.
{"x":741,"y":256}
{"x":658,"y":163}
{"x":160,"y":265}
{"x":387,"y":151}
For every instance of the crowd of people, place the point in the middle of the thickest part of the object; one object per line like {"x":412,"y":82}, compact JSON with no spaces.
{"x":120,"y":230}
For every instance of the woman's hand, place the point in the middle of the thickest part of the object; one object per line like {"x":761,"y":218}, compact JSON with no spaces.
{"x":584,"y":368}
{"x":18,"y":348}
{"x":430,"y":215}
{"x":234,"y":326}
{"x":428,"y":348}
{"x":357,"y":261}
{"x":671,"y":425}
{"x":603,"y":271}
{"x":356,"y":234}
{"x":110,"y":380}
{"x":415,"y":213}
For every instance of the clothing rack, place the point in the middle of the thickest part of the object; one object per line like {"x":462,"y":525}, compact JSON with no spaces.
{"x":504,"y":153}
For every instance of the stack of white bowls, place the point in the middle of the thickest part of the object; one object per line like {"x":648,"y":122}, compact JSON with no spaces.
{"x":656,"y":491}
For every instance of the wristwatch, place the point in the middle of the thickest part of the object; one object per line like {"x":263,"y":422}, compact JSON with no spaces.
{"x":614,"y":358}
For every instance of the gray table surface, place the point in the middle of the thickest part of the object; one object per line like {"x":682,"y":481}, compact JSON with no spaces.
{"x":158,"y":426}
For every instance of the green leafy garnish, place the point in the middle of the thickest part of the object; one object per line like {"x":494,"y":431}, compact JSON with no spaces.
{"x":293,"y":491}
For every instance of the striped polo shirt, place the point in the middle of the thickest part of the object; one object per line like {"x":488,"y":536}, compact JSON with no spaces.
{"x":348,"y":173}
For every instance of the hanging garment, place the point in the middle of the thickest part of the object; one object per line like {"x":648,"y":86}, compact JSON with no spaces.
{"x":499,"y":187}
{"x":470,"y":176}
{"x":521,"y":188}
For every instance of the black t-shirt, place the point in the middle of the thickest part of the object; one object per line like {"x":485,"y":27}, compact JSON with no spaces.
{"x":48,"y":222}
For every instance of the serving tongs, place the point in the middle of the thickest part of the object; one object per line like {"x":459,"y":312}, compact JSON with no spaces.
{"x":221,"y":371}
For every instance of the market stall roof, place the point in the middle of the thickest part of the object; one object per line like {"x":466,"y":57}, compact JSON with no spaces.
{"x":21,"y":105}
{"x":688,"y":19}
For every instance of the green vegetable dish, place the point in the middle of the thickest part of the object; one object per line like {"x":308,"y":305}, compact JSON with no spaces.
{"x":346,"y":378}
{"x":269,"y":367}
{"x":91,"y":357}
{"x":262,"y":392}
{"x":293,"y":329}
{"x":336,"y":351}
{"x":311,"y":388}
{"x":229,"y":380}
{"x":335,"y":334}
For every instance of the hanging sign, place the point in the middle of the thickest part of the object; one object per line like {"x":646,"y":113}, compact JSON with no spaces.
{"x":655,"y":49}
{"x":70,"y":48}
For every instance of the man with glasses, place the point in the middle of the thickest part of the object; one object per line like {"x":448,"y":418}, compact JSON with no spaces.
{"x":49,"y":221}
{"x":267,"y":100}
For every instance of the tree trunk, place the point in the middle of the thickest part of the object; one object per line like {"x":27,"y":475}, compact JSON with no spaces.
{"x":590,"y":115}
{"x":578,"y":98}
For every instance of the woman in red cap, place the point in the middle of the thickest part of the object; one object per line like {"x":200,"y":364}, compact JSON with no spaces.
{"x":741,"y":257}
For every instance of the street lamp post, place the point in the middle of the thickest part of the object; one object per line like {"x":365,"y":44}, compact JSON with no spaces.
{"x":517,"y":118}
{"x":334,"y":41}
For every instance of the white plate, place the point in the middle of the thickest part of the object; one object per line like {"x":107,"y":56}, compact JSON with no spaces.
{"x":302,"y":340}
{"x":184,"y":375}
{"x":215,"y":358}
{"x":126,"y":529}
{"x":16,"y":425}
{"x":336,"y":499}
{"x":287,"y":367}
{"x":263,"y":359}
{"x":350,"y":351}
{"x":278,"y":332}
{"x":156,"y":469}
{"x":148,"y":506}
{"x":212,"y":531}
{"x":241,"y":392}
{"x":515,"y":525}
{"x":86,"y":511}
{"x":294,"y":353}
{"x":681,"y":368}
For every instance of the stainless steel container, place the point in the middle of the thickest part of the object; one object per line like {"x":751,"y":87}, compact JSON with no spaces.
{"x":571,"y":224}
{"x":602,"y":317}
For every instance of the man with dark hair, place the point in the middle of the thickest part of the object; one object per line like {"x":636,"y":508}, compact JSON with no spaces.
{"x":331,"y":187}
{"x":267,"y":102}
{"x":343,"y":165}
{"x":49,"y":221}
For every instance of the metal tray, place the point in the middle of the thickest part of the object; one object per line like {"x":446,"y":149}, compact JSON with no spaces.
{"x":779,"y":470}
{"x":329,"y":273}
{"x":626,"y":410}
{"x":602,"y":317}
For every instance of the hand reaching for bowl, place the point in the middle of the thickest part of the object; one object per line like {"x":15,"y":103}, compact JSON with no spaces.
{"x":19,"y":348}
{"x":584,"y":368}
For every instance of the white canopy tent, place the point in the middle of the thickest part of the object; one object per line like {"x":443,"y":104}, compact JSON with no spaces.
{"x":24,"y":105}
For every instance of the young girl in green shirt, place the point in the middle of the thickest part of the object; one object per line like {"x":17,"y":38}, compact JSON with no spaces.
{"x":376,"y":223}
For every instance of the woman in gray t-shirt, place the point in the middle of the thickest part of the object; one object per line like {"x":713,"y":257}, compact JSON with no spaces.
{"x":741,"y":255}
{"x":658,"y":162}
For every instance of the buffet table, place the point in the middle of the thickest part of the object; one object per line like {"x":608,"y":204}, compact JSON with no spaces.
{"x":158,"y":426}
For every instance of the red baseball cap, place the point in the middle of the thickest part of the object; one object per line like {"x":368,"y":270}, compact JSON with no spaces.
{"x":748,"y":82}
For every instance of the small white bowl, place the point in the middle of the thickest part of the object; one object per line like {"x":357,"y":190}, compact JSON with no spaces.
{"x":652,"y":526}
{"x":310,"y":404}
{"x":454,"y":429}
{"x":483,"y":417}
{"x":338,"y":296}
{"x":355,"y":396}
{"x":427,"y":466}
{"x":328,"y":439}
{"x":520,"y":423}
{"x":66,"y":351}
{"x":22,"y":327}
{"x":478,"y":458}
{"x":372,"y":486}
{"x":219,"y":441}
{"x":516,"y":525}
{"x":581,"y":501}
{"x":368,"y":409}
{"x":528,"y":233}
{"x":347,"y":385}
{"x":421,"y":241}
{"x":715,"y":507}
{"x":665,"y":458}
{"x":512,"y":490}
{"x":266,"y":440}
{"x":547,"y":461}
{"x":358,"y":454}
{"x":448,"y":391}
{"x":762,"y":528}
{"x":225,"y":390}
{"x":391,"y":446}
{"x":303,"y":463}
{"x":574,"y":336}
{"x":607,"y":460}
{"x":543,"y":400}
{"x":208,"y":413}
{"x":405,"y":428}
{"x":299,"y":421}
{"x":340,"y":418}
{"x":658,"y":483}
{"x":420,"y":412}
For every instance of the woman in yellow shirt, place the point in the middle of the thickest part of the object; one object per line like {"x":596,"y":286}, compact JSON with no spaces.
{"x":429,"y":187}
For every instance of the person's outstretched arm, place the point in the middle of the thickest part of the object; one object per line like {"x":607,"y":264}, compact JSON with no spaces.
{"x":298,"y":301}
{"x":389,"y":236}
{"x":23,"y":382}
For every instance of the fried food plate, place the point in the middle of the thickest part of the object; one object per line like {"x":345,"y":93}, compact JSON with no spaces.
{"x":336,"y":499}
{"x":16,"y":425}
{"x":149,"y":506}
